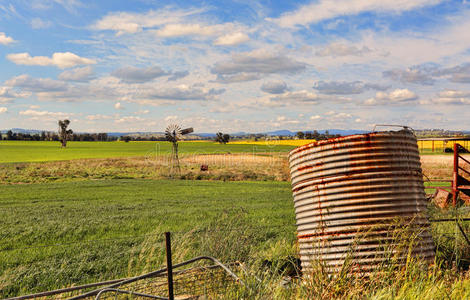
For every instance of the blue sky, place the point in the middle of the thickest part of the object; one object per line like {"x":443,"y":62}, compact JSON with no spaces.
{"x":234,"y":66}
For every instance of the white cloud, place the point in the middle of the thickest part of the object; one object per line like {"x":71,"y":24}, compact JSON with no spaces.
{"x":342,"y":115}
{"x":123,"y":22}
{"x":459,"y":74}
{"x":258,"y":61}
{"x":175,"y":30}
{"x":30,"y":84}
{"x":34,"y":107}
{"x":59,"y":59}
{"x":346,"y":88}
{"x":340,"y":49}
{"x":98,"y":117}
{"x":78,"y":74}
{"x":44,"y":113}
{"x":223,"y":108}
{"x":138,"y":75}
{"x":3,"y":110}
{"x":454,"y":94}
{"x":328,"y":9}
{"x":232,"y":39}
{"x":69,"y":5}
{"x":7,"y":94}
{"x":297,"y":96}
{"x":444,"y":40}
{"x":274,"y":87}
{"x":118,"y":106}
{"x":394,"y":97}
{"x":333,"y":117}
{"x":38,"y":23}
{"x":240,"y":77}
{"x":5,"y":40}
{"x":421,"y":74}
{"x":180,"y":92}
{"x":178,"y":75}
{"x":453,"y":97}
{"x":142,"y":112}
{"x":129,"y":119}
{"x":171,"y":118}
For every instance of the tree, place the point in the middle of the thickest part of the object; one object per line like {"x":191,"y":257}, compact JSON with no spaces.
{"x":222,"y":138}
{"x":10,"y":135}
{"x":300,"y":135}
{"x":64,"y":133}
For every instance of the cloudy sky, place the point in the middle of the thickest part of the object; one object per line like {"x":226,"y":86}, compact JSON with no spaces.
{"x":244,"y":65}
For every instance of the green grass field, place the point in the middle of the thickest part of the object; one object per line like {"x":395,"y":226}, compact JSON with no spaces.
{"x":128,"y":217}
{"x":33,"y":151}
{"x":98,"y":210}
{"x":61,"y":234}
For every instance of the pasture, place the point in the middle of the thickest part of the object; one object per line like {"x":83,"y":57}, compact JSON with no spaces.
{"x":61,"y":234}
{"x":97,"y":211}
{"x":34,"y":151}
{"x":56,"y":235}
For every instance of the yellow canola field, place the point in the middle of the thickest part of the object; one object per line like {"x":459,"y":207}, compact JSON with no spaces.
{"x":439,"y":146}
{"x":275,"y":142}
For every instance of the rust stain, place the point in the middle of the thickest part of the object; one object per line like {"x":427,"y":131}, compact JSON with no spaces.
{"x":323,"y":233}
{"x":304,"y":168}
{"x":307,"y":167}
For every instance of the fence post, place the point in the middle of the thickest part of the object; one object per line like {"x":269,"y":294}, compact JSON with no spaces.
{"x":455,"y":175}
{"x":169,"y":266}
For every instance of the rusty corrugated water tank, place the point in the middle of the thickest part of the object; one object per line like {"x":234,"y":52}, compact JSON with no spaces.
{"x":350,"y":191}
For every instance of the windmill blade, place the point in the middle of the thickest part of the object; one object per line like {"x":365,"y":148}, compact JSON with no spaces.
{"x":186,"y":131}
{"x":173,"y":133}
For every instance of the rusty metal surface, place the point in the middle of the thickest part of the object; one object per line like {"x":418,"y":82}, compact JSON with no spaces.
{"x":351,"y":192}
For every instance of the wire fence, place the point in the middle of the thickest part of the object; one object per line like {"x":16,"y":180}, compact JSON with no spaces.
{"x":124,"y":256}
{"x":37,"y":267}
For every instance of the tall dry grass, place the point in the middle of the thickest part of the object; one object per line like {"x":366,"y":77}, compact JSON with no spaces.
{"x":220,"y":167}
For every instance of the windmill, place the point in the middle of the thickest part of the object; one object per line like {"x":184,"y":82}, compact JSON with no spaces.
{"x":173,"y":134}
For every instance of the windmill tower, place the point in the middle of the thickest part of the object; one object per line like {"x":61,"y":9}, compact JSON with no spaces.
{"x":173,"y":134}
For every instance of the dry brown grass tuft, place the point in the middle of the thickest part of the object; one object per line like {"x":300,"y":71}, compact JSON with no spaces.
{"x":440,"y":166}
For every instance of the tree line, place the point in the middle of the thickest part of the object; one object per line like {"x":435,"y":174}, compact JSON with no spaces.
{"x":315,"y":135}
{"x":53,"y":136}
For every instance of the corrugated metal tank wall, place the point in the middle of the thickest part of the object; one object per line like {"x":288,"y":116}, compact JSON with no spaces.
{"x":349,"y":192}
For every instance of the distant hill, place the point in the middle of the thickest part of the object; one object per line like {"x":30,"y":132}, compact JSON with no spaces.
{"x":281,"y":132}
{"x":330,"y":131}
{"x":206,"y":135}
{"x":23,"y":131}
{"x":118,"y":134}
{"x":344,"y":132}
